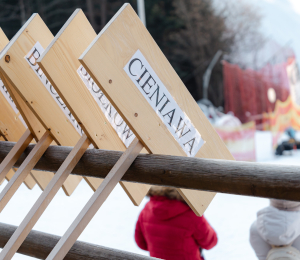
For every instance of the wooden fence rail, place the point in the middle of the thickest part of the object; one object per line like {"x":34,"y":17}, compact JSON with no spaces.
{"x":39,"y":245}
{"x":241,"y":178}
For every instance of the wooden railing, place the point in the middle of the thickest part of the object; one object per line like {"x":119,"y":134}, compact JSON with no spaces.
{"x":39,"y":245}
{"x":240,"y":178}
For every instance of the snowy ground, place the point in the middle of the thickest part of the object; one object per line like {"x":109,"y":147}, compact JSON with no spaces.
{"x":113,"y":225}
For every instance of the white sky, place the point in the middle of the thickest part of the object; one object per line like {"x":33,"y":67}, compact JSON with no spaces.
{"x":296,"y":5}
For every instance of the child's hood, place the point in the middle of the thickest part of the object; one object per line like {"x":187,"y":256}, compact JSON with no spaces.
{"x":278,"y":227}
{"x":164,"y":208}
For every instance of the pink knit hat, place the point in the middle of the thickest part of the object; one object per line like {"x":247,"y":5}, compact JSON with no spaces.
{"x":285,"y":205}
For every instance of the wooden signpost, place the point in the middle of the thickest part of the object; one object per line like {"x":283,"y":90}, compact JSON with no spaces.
{"x":152,"y":98}
{"x":64,"y":77}
{"x":126,"y":96}
{"x":127,"y":65}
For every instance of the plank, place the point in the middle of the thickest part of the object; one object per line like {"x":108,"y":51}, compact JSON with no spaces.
{"x":60,"y":64}
{"x":13,"y":126}
{"x":24,"y":80}
{"x":29,"y":180}
{"x":14,"y":154}
{"x":11,"y":172}
{"x":95,"y":202}
{"x":6,"y":122}
{"x":28,"y":164}
{"x":44,"y":200}
{"x":105,"y":60}
{"x":41,"y":178}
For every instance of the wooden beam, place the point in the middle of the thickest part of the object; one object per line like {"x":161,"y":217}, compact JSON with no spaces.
{"x":225,"y":176}
{"x":39,"y":244}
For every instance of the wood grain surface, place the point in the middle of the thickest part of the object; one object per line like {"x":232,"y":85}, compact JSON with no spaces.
{"x":226,"y":176}
{"x":39,"y":245}
{"x":12,"y":128}
{"x":105,"y":59}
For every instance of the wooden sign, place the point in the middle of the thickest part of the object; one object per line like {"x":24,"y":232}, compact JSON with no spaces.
{"x":170,"y":123}
{"x":12,"y":129}
{"x":72,"y":91}
{"x":13,"y":126}
{"x":16,"y":113}
{"x":136,"y":77}
{"x":105,"y":129}
{"x":27,"y":79}
{"x":18,"y":65}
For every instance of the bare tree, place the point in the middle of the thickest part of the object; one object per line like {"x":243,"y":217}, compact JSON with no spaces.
{"x":22,"y":12}
{"x":90,"y":13}
{"x":208,"y":26}
{"x":201,"y":36}
{"x":243,"y":23}
{"x":103,"y":13}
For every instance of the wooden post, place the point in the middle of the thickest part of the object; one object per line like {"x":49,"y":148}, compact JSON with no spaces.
{"x":2,"y":139}
{"x":44,"y":200}
{"x":95,"y":202}
{"x":128,"y":66}
{"x":24,"y":169}
{"x":15,"y":153}
{"x":39,"y":244}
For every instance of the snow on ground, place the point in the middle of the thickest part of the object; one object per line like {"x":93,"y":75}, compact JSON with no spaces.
{"x":113,"y":225}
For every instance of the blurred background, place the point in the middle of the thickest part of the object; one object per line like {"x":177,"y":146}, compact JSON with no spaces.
{"x":238,"y":59}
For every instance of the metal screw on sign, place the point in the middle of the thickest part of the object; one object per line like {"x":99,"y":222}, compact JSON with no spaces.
{"x":7,"y":58}
{"x":110,"y":81}
{"x":136,"y":114}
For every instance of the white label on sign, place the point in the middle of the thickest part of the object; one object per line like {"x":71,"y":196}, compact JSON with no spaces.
{"x":5,"y":93}
{"x":31,"y":58}
{"x":109,"y":111}
{"x":157,"y":95}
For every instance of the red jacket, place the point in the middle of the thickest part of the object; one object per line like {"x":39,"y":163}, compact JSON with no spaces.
{"x":170,"y":230}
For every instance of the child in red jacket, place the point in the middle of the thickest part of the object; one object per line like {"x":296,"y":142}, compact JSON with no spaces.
{"x":170,"y":230}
